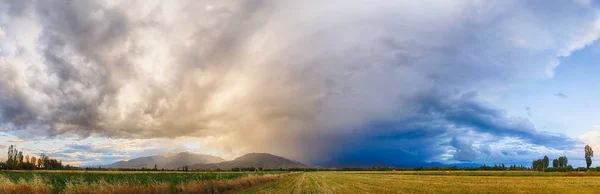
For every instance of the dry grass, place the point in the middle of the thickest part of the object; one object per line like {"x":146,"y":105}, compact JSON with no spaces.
{"x":375,"y":182}
{"x":225,"y":186}
{"x":34,"y":186}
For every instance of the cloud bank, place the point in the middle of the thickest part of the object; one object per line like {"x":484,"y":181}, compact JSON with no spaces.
{"x":349,"y":82}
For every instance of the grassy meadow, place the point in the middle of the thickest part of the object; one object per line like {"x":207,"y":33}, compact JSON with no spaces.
{"x":68,"y":182}
{"x":130,"y":182}
{"x":434,"y":182}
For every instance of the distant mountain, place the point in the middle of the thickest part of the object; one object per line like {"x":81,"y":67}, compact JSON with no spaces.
{"x":166,"y":162}
{"x":402,"y":165}
{"x":141,"y":162}
{"x":185,"y":159}
{"x":263,"y":160}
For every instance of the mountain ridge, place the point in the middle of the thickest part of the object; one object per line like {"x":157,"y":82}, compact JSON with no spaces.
{"x":166,"y":162}
{"x":258,"y":160}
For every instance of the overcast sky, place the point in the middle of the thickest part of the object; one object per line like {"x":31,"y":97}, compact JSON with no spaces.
{"x":335,"y":82}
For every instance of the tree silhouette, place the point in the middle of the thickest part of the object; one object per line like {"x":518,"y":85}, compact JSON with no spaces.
{"x":546,"y":162}
{"x":18,"y":161}
{"x":589,"y":153}
{"x":555,"y":163}
{"x":538,"y":165}
{"x":20,"y":157}
{"x":562,"y":161}
{"x":12,"y":161}
{"x":33,"y":160}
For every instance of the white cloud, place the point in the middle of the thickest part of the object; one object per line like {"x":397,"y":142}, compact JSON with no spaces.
{"x":591,"y":138}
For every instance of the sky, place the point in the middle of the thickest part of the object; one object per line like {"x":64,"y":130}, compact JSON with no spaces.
{"x":328,"y":83}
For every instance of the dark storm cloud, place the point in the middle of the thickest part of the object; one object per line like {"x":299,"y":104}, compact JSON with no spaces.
{"x":305,"y":79}
{"x":439,"y":122}
{"x":467,"y":112}
{"x":464,"y":150}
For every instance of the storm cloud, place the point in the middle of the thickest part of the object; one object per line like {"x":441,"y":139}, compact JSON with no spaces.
{"x":351,"y":82}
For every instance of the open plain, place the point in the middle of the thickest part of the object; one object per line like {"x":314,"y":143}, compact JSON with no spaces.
{"x":434,"y":182}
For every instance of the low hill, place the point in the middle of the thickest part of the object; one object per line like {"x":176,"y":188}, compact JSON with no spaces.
{"x":166,"y":162}
{"x":264,"y":160}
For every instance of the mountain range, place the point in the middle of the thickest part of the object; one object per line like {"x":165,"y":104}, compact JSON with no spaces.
{"x":201,"y":161}
{"x":264,"y":160}
{"x":167,"y":162}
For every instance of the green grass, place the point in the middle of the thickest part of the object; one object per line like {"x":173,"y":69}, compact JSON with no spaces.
{"x":59,"y":179}
{"x":433,"y":182}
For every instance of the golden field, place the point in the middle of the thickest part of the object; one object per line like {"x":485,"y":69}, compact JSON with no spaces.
{"x":434,"y":182}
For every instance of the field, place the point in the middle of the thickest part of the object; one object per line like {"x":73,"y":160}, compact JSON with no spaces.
{"x":433,"y":182}
{"x":300,"y":182}
{"x":130,"y":182}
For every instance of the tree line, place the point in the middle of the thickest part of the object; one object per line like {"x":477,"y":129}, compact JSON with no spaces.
{"x":17,"y":161}
{"x":559,"y":164}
